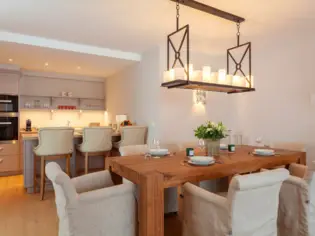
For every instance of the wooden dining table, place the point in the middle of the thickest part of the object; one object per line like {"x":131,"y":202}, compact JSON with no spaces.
{"x":154,"y":175}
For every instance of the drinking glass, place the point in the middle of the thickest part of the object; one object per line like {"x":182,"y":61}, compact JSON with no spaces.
{"x":258,"y":141}
{"x":156,"y":143}
{"x":201,"y":144}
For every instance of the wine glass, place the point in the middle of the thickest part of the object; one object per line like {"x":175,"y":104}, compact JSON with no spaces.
{"x":156,"y":143}
{"x":258,"y":141}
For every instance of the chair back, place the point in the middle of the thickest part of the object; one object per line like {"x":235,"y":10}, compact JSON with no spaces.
{"x":253,"y":202}
{"x":97,"y":139}
{"x":65,"y":192}
{"x":133,"y":150}
{"x":54,"y":141}
{"x":133,"y":135}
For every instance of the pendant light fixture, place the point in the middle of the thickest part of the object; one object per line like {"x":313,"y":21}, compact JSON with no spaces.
{"x":180,"y":72}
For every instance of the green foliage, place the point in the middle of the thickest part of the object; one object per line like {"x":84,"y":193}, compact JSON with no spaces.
{"x":211,"y":130}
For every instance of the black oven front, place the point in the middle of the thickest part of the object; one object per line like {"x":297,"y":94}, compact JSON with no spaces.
{"x":9,"y":128}
{"x":9,"y":103}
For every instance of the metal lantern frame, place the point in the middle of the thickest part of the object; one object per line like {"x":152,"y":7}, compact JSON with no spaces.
{"x":178,"y":57}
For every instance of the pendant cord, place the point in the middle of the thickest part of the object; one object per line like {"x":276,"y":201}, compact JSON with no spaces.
{"x":177,"y":14}
{"x":238,"y":34}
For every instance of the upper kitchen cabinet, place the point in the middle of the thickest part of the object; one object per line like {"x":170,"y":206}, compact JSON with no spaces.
{"x":9,"y":82}
{"x":40,"y":85}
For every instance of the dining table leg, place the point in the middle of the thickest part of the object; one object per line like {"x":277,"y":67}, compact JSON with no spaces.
{"x":151,"y":211}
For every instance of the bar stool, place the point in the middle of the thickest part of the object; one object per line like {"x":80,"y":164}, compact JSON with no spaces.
{"x":97,"y":141}
{"x":54,"y":144}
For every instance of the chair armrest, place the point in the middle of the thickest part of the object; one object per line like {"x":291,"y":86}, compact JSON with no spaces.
{"x":92,"y":181}
{"x":204,"y":212}
{"x":293,"y":202}
{"x":298,"y":170}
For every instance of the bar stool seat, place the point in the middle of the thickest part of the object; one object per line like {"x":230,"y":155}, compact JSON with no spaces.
{"x":97,"y":141}
{"x":54,"y":144}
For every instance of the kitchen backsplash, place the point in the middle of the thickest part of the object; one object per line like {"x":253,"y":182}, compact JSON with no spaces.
{"x":60,"y":118}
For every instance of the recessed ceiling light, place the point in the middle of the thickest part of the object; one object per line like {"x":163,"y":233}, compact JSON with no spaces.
{"x":10,"y":60}
{"x":79,"y":67}
{"x":46,"y":64}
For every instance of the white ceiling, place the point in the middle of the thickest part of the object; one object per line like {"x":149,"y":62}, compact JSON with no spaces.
{"x":137,"y":25}
{"x":35,"y":58}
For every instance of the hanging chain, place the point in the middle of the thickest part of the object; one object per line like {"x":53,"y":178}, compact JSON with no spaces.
{"x":177,"y":14}
{"x":238,"y":34}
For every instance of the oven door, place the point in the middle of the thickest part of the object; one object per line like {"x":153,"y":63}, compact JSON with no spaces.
{"x":9,"y":103}
{"x":8,"y":129}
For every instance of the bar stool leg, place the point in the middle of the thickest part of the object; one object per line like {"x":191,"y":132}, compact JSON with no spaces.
{"x":42,"y":177}
{"x":86,"y":163}
{"x":68,"y":165}
{"x":34,"y":175}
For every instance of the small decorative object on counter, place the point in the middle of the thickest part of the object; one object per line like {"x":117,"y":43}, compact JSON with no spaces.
{"x":190,"y":152}
{"x":231,"y":148}
{"x":126,"y":123}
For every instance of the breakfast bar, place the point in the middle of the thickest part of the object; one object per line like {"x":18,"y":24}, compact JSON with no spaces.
{"x":30,"y":140}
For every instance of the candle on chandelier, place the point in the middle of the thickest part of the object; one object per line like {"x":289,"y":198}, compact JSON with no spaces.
{"x":238,"y":81}
{"x":229,"y":79}
{"x":190,"y":71}
{"x":251,"y":79}
{"x":206,"y":74}
{"x":197,"y":76}
{"x":222,"y":76}
{"x":214,"y":77}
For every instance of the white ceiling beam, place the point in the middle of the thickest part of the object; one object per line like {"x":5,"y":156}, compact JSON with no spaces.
{"x":67,"y":46}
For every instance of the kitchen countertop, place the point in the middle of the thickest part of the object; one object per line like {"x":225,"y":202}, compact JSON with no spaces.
{"x":33,"y":135}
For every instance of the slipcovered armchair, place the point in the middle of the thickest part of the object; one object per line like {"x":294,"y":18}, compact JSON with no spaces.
{"x":250,"y":208}
{"x":91,"y":204}
{"x":297,"y":203}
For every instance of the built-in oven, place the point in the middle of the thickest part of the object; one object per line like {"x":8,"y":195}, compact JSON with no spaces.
{"x":9,"y":103}
{"x":9,"y":128}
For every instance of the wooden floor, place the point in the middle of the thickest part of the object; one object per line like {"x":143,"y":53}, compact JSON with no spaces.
{"x":23,"y":214}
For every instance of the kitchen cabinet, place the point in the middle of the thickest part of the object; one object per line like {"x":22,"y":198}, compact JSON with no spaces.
{"x":9,"y":158}
{"x":56,"y":87}
{"x":9,"y":83}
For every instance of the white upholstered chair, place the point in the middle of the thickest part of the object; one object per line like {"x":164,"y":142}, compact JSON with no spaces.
{"x":250,"y":208}
{"x":97,"y":141}
{"x":170,"y":194}
{"x":132,"y":135}
{"x":91,"y":204}
{"x":133,"y":150}
{"x":297,"y":203}
{"x":53,"y":143}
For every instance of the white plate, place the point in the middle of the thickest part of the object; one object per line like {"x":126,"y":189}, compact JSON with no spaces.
{"x":264,"y":151}
{"x":263,"y":154}
{"x":159,"y":152}
{"x":201,"y":164}
{"x":201,"y":159}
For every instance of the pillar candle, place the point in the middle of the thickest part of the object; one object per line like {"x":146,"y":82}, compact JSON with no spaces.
{"x":222,"y":76}
{"x":206,"y":74}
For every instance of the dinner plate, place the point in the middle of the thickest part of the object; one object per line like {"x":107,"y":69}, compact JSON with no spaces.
{"x":201,"y":164}
{"x":201,"y":159}
{"x":263,"y":154}
{"x":159,"y":152}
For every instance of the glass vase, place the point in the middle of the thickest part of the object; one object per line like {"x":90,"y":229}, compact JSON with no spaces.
{"x":212,"y":147}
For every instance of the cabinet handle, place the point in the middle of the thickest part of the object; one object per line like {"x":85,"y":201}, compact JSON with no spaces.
{"x":1,"y":160}
{"x":5,"y":101}
{"x":5,"y":123}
